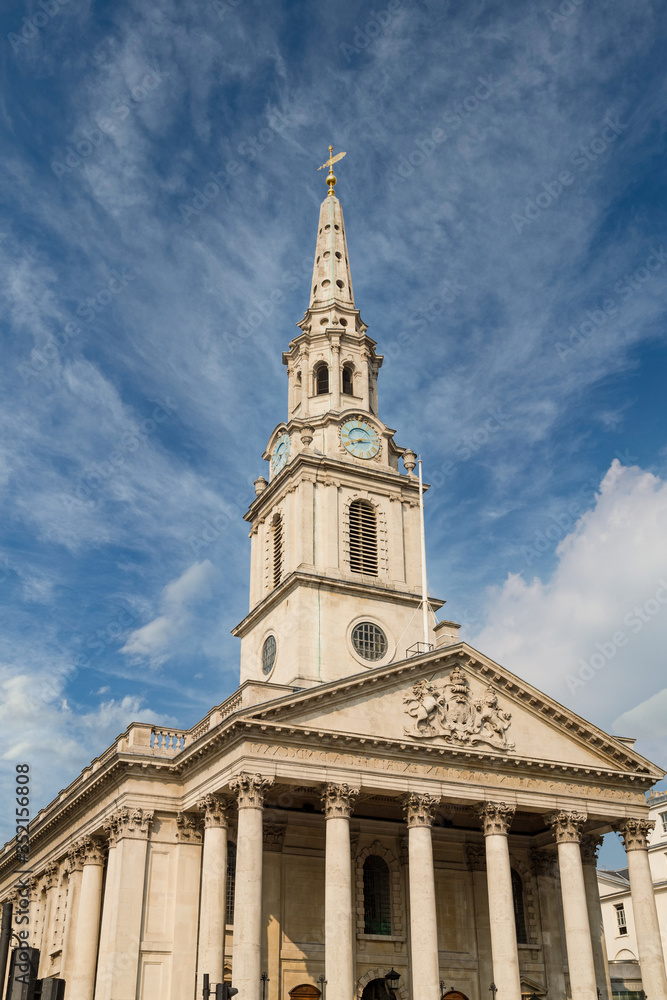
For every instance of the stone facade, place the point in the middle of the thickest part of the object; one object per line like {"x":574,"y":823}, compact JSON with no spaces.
{"x":361,"y":810}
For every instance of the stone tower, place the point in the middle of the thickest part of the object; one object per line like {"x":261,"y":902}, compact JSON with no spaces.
{"x":335,"y":566}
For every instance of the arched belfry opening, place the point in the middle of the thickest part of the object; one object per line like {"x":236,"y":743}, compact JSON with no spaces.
{"x":348,"y":380}
{"x":322,"y":379}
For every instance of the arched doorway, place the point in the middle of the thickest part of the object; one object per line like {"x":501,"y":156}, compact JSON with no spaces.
{"x":455,"y":995}
{"x":305,"y":991}
{"x":378,"y":989}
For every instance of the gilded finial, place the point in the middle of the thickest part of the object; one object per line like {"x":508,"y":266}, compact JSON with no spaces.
{"x":331,"y":177}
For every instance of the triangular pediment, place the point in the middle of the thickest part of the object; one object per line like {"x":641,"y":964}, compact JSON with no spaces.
{"x":456,"y":698}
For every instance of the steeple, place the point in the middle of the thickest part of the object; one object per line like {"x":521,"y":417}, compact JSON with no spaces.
{"x":331,"y":272}
{"x":335,"y":582}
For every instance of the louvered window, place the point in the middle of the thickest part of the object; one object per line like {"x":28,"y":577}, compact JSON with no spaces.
{"x":363,"y":538}
{"x":277,"y":532}
{"x":377,"y":896}
{"x":231,"y":882}
{"x":321,"y":380}
{"x":519,"y":912}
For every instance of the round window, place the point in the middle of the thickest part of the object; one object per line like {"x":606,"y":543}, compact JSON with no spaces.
{"x":369,"y":641}
{"x":268,"y":654}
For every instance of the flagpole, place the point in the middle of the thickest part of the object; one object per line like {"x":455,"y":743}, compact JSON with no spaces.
{"x":423,"y":555}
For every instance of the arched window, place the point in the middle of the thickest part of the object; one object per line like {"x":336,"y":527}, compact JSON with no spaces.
{"x":277,"y":546}
{"x":321,"y":380}
{"x":377,"y":896}
{"x":348,"y":380}
{"x":519,"y":912}
{"x":231,"y":881}
{"x":363,"y":533}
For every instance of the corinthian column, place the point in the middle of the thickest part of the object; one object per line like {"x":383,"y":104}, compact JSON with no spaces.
{"x":337,"y":801}
{"x":567,"y":827}
{"x":75,"y":874}
{"x":589,"y":860}
{"x":496,"y":820}
{"x":249,"y":789}
{"x":82,"y":983}
{"x":213,"y":889}
{"x":123,"y":904}
{"x":419,"y":814}
{"x":649,"y":944}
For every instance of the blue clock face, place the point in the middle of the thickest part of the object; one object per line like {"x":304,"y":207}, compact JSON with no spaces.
{"x":360,"y":439}
{"x":280,"y":454}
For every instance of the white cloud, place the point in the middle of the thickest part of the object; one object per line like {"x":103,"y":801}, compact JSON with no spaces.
{"x":593,"y":635}
{"x":648,"y":719}
{"x":157,"y":640}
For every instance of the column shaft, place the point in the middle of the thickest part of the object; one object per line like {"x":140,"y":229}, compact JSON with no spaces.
{"x":589,"y":848}
{"x":82,"y":985}
{"x":212,"y":905}
{"x":649,"y":943}
{"x":338,"y":948}
{"x":577,"y":928}
{"x":501,"y":915}
{"x":248,"y":898}
{"x":338,"y":908}
{"x":423,"y":921}
{"x":425,"y":967}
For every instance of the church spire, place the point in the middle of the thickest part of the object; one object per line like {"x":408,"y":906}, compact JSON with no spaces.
{"x":331,"y":271}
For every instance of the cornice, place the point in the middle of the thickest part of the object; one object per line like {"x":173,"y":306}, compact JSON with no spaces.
{"x":383,"y":477}
{"x":350,"y":587}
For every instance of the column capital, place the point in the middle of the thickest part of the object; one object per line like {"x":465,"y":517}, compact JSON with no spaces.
{"x":130,"y":824}
{"x":419,"y":809}
{"x":634,"y":832}
{"x":250,"y":789}
{"x":589,"y":849}
{"x":567,"y":826}
{"x":75,"y":858}
{"x":495,"y":817}
{"x":216,"y":810}
{"x":189,"y":828}
{"x":273,"y":835}
{"x":338,"y":800}
{"x":544,"y":863}
{"x":92,"y":850}
{"x":475,"y":857}
{"x":50,"y":875}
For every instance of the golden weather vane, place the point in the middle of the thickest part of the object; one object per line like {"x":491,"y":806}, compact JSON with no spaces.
{"x":331,"y":178}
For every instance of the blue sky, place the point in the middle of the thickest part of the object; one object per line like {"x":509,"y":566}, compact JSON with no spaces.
{"x":503,"y":195}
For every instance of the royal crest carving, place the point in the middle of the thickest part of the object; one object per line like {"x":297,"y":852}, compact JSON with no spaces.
{"x":451,"y":713}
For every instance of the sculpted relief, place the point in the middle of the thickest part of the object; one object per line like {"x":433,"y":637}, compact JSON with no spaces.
{"x":451,"y":713}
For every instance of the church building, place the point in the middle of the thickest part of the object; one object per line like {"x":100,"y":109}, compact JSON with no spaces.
{"x":379,"y":811}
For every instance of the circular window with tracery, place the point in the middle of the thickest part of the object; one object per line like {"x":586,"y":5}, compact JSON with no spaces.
{"x":269,"y":650}
{"x":369,"y":641}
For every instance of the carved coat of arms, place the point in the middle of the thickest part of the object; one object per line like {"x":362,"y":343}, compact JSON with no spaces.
{"x":451,"y":713}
